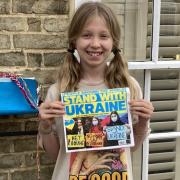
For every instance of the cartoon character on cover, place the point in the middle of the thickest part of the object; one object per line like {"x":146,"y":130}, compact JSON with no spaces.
{"x":90,"y":162}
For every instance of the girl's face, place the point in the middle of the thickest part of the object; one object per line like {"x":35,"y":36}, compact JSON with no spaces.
{"x":95,"y":43}
{"x":114,"y":117}
{"x":94,"y":121}
{"x":79,"y":122}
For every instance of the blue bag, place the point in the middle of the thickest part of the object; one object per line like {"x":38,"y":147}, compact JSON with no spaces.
{"x":18,"y":95}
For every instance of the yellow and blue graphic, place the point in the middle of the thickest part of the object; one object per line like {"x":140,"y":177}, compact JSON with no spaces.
{"x":97,"y":119}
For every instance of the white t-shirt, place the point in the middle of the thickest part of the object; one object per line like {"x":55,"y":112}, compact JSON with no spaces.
{"x":61,"y":170}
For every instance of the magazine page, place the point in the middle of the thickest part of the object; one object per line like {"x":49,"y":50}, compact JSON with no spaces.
{"x":97,"y":120}
{"x":112,"y":164}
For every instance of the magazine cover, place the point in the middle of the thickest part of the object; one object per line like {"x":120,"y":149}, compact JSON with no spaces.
{"x":97,"y":120}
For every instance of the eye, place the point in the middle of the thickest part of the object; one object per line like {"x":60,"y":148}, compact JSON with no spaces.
{"x":104,"y":36}
{"x":86,"y":35}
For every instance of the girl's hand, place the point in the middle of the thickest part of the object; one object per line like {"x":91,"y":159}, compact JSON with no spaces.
{"x":51,"y":110}
{"x":142,"y":108}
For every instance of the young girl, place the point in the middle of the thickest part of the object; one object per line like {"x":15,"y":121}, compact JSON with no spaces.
{"x":115,"y":119}
{"x":96,"y":126}
{"x":95,"y":34}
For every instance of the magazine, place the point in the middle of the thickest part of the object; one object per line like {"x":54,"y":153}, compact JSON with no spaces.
{"x":97,"y":120}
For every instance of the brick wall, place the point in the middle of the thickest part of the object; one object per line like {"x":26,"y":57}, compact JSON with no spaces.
{"x":33,"y":43}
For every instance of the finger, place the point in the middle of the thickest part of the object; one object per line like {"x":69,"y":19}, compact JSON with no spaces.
{"x":108,"y":155}
{"x":95,"y":167}
{"x":48,"y":116}
{"x":50,"y":113}
{"x":56,"y":106}
{"x":146,"y":103}
{"x":132,"y":102}
{"x":141,"y":103}
{"x":54,"y":111}
{"x":105,"y":161}
{"x":44,"y":106}
{"x":59,"y":103}
{"x":48,"y":105}
{"x":143,"y":115}
{"x":141,"y":109}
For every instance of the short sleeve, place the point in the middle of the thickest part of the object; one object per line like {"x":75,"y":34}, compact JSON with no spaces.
{"x":135,"y":118}
{"x":52,"y":95}
{"x":138,"y":88}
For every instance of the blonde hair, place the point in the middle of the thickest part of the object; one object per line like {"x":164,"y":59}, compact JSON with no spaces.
{"x":117,"y":74}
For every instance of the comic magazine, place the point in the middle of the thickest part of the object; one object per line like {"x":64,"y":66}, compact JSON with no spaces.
{"x":98,"y":133}
{"x":97,"y":120}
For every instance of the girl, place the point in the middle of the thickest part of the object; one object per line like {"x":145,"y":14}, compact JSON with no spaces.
{"x":94,"y":33}
{"x":115,"y":119}
{"x":80,"y":126}
{"x":96,"y":126}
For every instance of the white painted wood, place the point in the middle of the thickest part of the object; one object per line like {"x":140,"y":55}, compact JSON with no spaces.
{"x":168,"y":135}
{"x":145,"y":159}
{"x":156,"y":29}
{"x":154,"y":65}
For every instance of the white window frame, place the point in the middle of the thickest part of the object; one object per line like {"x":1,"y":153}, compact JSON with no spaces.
{"x":147,"y":66}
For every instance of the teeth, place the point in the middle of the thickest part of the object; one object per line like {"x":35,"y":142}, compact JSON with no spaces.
{"x":94,"y":53}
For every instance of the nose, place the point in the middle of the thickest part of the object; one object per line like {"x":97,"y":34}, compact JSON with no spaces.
{"x":95,"y":42}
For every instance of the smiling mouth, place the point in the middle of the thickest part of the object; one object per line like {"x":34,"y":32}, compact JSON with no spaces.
{"x":94,"y":54}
